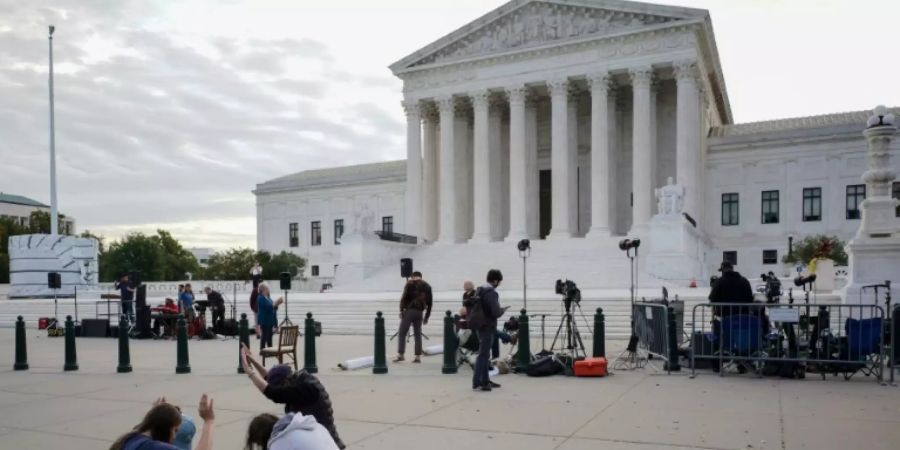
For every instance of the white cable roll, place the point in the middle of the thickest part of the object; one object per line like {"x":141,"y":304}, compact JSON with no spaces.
{"x":434,"y":349}
{"x":357,"y":363}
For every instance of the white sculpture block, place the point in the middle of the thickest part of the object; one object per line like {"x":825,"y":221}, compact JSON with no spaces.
{"x":32,"y":256}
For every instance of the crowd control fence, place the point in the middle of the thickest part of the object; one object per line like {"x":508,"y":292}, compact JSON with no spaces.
{"x":786,"y":339}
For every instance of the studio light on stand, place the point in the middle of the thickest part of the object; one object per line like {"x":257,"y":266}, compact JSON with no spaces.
{"x":524,"y":247}
{"x":629,"y":359}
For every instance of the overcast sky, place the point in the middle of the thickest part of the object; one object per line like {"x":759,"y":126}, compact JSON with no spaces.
{"x":169,"y":113}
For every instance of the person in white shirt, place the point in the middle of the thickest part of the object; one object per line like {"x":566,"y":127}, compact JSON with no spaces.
{"x":256,"y":274}
{"x":293,"y":431}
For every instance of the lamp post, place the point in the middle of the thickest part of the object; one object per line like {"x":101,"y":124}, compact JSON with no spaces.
{"x":54,"y":213}
{"x":790,"y":247}
{"x":524,"y":247}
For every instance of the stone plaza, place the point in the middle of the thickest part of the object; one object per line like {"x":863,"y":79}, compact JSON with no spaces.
{"x":415,"y":406}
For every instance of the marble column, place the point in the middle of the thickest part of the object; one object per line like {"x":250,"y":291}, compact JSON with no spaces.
{"x":687,"y":140}
{"x":572,"y":187}
{"x":413,"y":196}
{"x":430,"y":199}
{"x":482,"y":167}
{"x":601,"y":165}
{"x":518,"y":165}
{"x":559,"y":160}
{"x":532,"y":175}
{"x":642,"y":147}
{"x":447,"y":172}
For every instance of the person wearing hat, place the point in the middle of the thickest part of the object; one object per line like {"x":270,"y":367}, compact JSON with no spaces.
{"x":731,"y":287}
{"x":301,"y":391}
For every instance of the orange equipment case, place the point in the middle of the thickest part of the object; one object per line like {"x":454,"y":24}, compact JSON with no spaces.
{"x":591,"y":367}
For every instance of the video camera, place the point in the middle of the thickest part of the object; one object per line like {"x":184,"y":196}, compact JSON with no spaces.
{"x":803,"y":281}
{"x":773,"y":287}
{"x":627,"y":244}
{"x":570,"y":292}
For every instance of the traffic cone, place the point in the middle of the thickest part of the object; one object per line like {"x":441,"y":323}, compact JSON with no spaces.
{"x":693,"y":283}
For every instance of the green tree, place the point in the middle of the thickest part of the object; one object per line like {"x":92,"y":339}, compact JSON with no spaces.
{"x":135,"y":251}
{"x":817,"y":246}
{"x":231,"y":264}
{"x":8,"y":227}
{"x":179,"y":261}
{"x":282,"y":262}
{"x":39,"y":222}
{"x":100,"y":239}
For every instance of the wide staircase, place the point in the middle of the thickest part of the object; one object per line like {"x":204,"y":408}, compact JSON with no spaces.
{"x":595,"y":263}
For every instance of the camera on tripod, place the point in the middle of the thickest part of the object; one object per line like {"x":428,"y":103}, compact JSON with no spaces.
{"x":803,"y":281}
{"x":570,"y":292}
{"x":772,"y":289}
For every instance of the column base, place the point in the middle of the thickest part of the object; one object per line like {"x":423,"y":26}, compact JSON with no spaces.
{"x":598,"y":233}
{"x":481,"y":239}
{"x":515,"y":237}
{"x":557,"y":235}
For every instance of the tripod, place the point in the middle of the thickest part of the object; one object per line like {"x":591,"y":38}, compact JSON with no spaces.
{"x":543,"y":317}
{"x":574,"y":344}
{"x":287,"y":318}
{"x":629,"y":359}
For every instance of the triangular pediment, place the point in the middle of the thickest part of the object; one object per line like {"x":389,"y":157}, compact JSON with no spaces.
{"x":528,"y":24}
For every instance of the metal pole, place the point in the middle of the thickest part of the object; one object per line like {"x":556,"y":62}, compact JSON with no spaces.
{"x":54,"y":213}
{"x":524,"y":283}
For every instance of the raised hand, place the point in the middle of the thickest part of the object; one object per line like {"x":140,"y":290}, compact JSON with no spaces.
{"x":206,"y":408}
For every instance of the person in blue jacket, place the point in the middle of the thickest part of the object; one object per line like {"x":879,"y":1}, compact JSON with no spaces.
{"x":266,"y":315}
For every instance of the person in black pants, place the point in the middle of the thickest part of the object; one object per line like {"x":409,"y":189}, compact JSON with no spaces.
{"x":217,"y":306}
{"x":482,"y":311}
{"x":127,"y":293}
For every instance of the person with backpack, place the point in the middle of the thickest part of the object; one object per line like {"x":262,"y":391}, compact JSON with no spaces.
{"x":415,"y":309}
{"x":482,"y":311}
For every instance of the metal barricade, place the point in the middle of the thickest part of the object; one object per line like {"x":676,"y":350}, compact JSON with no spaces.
{"x":790,"y":340}
{"x":651,"y":321}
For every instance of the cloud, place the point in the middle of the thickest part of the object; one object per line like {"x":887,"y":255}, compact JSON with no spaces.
{"x":156,"y":127}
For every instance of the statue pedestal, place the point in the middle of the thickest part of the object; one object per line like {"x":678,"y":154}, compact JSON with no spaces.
{"x":364,"y":254}
{"x":872,"y":261}
{"x":677,"y":251}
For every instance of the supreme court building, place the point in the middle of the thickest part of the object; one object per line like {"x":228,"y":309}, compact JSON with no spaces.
{"x":559,"y":120}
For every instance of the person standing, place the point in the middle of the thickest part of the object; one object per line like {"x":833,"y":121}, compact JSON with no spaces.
{"x":415,"y":309}
{"x":256,"y":274}
{"x":126,"y":290}
{"x":186,"y":302}
{"x":217,"y":306}
{"x":483,"y":310}
{"x":266,"y":318}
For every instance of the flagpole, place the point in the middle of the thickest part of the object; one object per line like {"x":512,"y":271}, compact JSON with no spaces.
{"x":54,"y":213}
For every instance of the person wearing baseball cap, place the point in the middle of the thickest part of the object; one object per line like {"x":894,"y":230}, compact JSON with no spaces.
{"x":731,"y":287}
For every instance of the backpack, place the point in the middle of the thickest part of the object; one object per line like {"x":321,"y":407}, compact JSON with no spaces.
{"x":545,"y":366}
{"x":475,"y":314}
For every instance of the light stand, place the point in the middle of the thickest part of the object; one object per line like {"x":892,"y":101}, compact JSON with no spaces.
{"x":524,"y":247}
{"x":629,"y":359}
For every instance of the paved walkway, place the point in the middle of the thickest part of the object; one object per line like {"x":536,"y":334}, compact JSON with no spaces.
{"x":415,"y":407}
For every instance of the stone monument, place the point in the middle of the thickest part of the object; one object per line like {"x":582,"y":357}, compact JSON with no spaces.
{"x":677,"y":250}
{"x":875,"y":250}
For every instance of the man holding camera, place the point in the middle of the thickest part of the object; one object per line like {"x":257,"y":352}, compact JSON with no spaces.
{"x":415,"y":302}
{"x":483,"y":310}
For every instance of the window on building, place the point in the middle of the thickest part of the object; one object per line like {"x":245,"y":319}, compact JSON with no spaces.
{"x":856,"y":193}
{"x":293,"y":234}
{"x":770,"y":256}
{"x":730,"y":209}
{"x":314,"y":270}
{"x":315,"y":233}
{"x":338,"y":231}
{"x":770,"y":207}
{"x":895,"y":190}
{"x":730,"y":256}
{"x":387,"y":224}
{"x":812,"y":204}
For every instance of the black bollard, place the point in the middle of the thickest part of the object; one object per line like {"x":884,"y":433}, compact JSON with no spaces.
{"x":523,"y":357}
{"x":243,"y":338}
{"x":183,"y":365}
{"x":673,"y":365}
{"x":71,"y":357}
{"x":124,"y":352}
{"x":21,"y":350}
{"x":599,"y":334}
{"x":309,"y":348}
{"x":449,"y":345}
{"x":380,"y":366}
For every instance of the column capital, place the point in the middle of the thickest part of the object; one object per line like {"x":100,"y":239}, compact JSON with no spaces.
{"x":429,"y":111}
{"x":641,"y":76}
{"x":600,"y":82}
{"x":517,"y":94}
{"x":558,"y":87}
{"x":446,"y":104}
{"x":686,"y":70}
{"x":411,"y":108}
{"x":480,"y":99}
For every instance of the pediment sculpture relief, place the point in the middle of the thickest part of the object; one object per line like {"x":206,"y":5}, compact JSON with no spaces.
{"x":540,"y":23}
